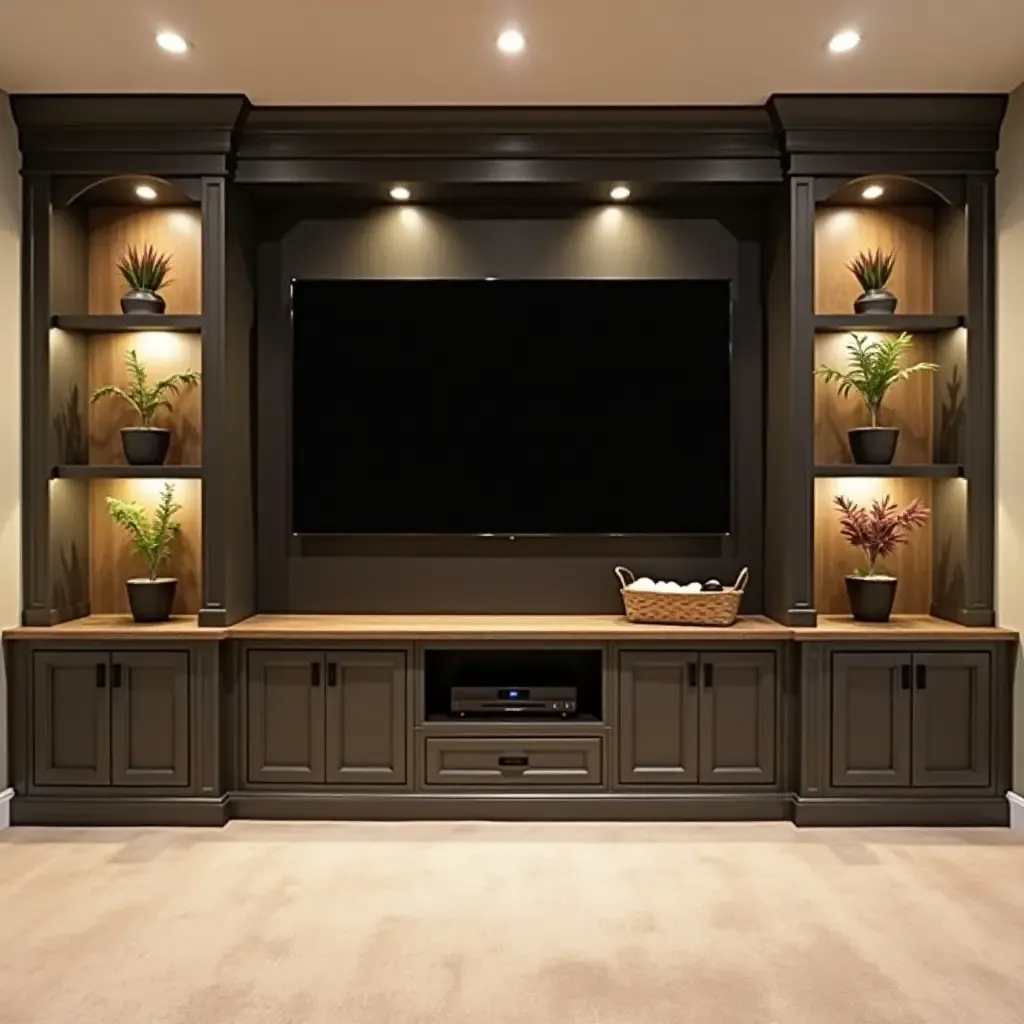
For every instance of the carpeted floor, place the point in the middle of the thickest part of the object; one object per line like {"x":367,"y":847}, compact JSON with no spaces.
{"x":511,"y":924}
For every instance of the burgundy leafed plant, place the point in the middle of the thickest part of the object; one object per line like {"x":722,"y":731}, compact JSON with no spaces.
{"x":880,"y":529}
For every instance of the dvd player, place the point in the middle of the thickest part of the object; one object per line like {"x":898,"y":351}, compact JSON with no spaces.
{"x":513,"y":700}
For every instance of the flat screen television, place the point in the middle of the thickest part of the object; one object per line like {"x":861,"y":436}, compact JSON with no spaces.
{"x":511,"y":407}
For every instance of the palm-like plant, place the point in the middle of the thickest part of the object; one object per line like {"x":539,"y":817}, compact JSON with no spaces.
{"x":150,"y":535}
{"x":145,"y":271}
{"x":873,"y":269}
{"x":144,"y":398}
{"x":874,"y":368}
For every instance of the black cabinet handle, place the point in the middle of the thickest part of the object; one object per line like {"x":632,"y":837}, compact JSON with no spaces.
{"x":513,"y":761}
{"x":115,"y":676}
{"x":316,"y":673}
{"x":709,"y":678}
{"x":332,"y":674}
{"x":922,"y":677}
{"x":693,"y":673}
{"x":101,"y":676}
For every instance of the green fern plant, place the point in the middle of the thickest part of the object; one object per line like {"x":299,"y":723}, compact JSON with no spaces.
{"x":143,"y":397}
{"x":145,"y":270}
{"x":150,"y":535}
{"x":874,"y":368}
{"x":873,"y":269}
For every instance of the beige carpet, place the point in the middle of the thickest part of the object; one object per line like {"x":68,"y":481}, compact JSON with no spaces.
{"x":511,"y":924}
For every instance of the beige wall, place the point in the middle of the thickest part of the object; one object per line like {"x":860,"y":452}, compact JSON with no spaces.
{"x":1010,"y":407}
{"x":10,"y":406}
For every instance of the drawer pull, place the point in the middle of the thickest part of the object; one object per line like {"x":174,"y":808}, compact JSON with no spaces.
{"x":513,"y":761}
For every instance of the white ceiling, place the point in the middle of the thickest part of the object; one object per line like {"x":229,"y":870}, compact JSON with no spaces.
{"x":578,"y":51}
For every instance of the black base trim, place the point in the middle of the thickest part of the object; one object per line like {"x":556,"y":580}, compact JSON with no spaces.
{"x":510,"y":807}
{"x":566,"y":807}
{"x":120,"y":811}
{"x":947,"y":812}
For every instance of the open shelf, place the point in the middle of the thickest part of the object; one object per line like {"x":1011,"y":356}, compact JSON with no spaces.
{"x":923,"y":470}
{"x":68,"y":472}
{"x":895,"y":323}
{"x":128,"y":323}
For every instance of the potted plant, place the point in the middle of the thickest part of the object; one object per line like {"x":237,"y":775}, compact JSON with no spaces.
{"x":145,"y":273}
{"x":146,"y":445}
{"x":873,"y":270}
{"x":877,"y":531}
{"x":874,"y":368}
{"x":151,"y":597}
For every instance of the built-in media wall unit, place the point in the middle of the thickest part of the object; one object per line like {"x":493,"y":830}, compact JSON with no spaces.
{"x":527,"y":463}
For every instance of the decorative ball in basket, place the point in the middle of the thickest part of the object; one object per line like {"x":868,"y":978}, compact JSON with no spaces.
{"x":674,"y":604}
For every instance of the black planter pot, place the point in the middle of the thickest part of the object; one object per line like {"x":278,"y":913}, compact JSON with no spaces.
{"x":142,"y":302}
{"x":879,"y":301}
{"x":873,"y":446}
{"x":145,"y":446}
{"x":871,"y":597}
{"x":151,"y":600}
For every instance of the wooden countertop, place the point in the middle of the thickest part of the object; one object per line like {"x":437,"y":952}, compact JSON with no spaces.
{"x":899,"y":627}
{"x":117,"y":627}
{"x":501,"y":627}
{"x":492,"y":627}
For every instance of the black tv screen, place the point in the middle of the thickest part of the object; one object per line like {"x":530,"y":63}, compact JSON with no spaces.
{"x":511,"y":407}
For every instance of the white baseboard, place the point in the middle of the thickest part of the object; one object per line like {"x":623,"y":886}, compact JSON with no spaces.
{"x":1016,"y":812}
{"x":6,"y":795}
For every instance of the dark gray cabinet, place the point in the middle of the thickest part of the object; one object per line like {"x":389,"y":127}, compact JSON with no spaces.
{"x":737,"y":718}
{"x":658,"y":718}
{"x":686,"y":718}
{"x":952,"y":720}
{"x":871,"y":719}
{"x":338,"y":718}
{"x":902,"y":719}
{"x":365,"y":719}
{"x":103,"y":718}
{"x":70,"y":718}
{"x":285,"y":717}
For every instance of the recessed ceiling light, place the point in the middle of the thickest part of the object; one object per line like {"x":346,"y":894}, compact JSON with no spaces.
{"x":171,"y":42}
{"x":619,"y":193}
{"x":845,"y":41}
{"x":146,"y":192}
{"x":873,"y":192}
{"x":511,"y":42}
{"x":400,"y":193}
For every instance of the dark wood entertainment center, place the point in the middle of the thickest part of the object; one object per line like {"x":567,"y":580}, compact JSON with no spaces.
{"x":295,"y":680}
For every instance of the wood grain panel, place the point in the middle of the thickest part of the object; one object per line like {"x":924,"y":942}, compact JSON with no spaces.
{"x":899,"y":627}
{"x":834,"y":558}
{"x":494,"y":627}
{"x":161,"y":354}
{"x":908,"y":405}
{"x":177,"y":230}
{"x":112,"y":559}
{"x":841,"y":232}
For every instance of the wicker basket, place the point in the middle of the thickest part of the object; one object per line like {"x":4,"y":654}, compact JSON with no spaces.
{"x":708,"y":608}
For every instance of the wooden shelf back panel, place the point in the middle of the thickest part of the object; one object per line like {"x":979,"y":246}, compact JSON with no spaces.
{"x":161,"y":354}
{"x":112,"y":560}
{"x":908,"y":405}
{"x":834,"y":558}
{"x":177,"y":230}
{"x":842,"y":232}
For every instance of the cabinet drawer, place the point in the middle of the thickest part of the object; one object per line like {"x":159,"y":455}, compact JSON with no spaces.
{"x":510,"y":762}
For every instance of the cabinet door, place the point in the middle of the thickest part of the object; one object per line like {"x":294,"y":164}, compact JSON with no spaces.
{"x":658,"y":723}
{"x":70,"y":718}
{"x":366,"y":718}
{"x":149,"y":707}
{"x":285,"y":717}
{"x":871,"y":719}
{"x":952,"y":719}
{"x":737,"y":718}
